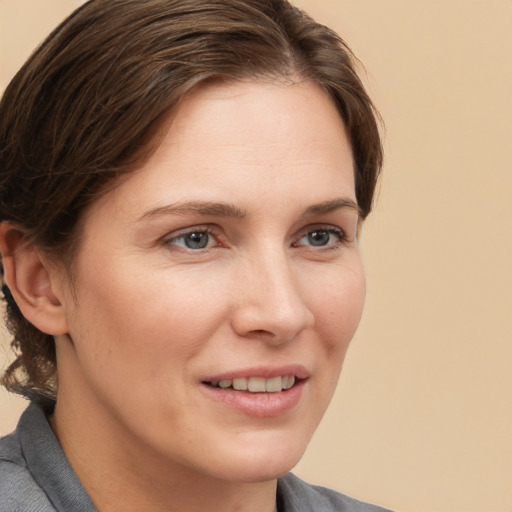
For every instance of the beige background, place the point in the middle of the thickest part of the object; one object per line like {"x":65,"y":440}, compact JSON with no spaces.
{"x":422,"y":420}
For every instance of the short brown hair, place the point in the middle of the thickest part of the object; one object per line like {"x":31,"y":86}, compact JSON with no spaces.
{"x":81,"y":111}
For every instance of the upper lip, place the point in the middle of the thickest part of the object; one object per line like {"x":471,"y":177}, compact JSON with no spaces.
{"x":266,"y":372}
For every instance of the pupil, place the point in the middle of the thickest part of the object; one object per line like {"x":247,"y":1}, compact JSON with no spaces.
{"x":196,"y":240}
{"x":318,"y":238}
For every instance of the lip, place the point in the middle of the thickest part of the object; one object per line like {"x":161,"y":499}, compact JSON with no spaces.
{"x":259,"y":405}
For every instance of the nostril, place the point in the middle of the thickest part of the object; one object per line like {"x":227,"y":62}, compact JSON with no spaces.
{"x":261,"y":334}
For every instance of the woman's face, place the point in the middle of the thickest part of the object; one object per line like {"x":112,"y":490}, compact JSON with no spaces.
{"x":228,"y":261}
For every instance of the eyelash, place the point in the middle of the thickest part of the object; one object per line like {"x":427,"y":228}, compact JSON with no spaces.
{"x":206,"y":230}
{"x":201,"y":230}
{"x":330,"y":230}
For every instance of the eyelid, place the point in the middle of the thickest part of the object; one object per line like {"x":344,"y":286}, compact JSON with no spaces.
{"x":216,"y":233}
{"x":210,"y":229}
{"x":343,"y":239}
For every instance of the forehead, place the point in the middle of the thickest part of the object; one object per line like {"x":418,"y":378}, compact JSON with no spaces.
{"x":262,"y":138}
{"x":255,"y":113}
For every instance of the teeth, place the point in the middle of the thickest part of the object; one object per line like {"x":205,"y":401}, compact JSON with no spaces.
{"x":258,"y":384}
{"x":274,"y":385}
{"x":288,"y":381}
{"x":240,"y":384}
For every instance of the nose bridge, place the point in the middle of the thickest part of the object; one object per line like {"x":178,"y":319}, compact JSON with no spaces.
{"x":273,"y":303}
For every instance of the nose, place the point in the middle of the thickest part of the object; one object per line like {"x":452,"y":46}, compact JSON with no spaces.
{"x":269,"y":303}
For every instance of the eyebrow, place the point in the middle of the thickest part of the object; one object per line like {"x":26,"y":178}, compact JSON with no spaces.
{"x":332,"y":205}
{"x":229,"y":210}
{"x":197,"y":207}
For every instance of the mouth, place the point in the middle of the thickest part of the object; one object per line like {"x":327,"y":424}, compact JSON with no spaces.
{"x":259,"y":392}
{"x":256,"y":384}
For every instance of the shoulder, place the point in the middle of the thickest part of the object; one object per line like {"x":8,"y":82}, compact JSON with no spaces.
{"x":296,"y":495}
{"x":19,"y":492}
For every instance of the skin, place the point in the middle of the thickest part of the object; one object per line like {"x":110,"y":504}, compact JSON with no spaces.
{"x":147,"y":318}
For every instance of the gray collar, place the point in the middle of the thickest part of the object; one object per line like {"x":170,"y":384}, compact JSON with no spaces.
{"x":48,"y":464}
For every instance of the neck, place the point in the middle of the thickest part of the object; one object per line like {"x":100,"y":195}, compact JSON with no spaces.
{"x":120,"y":474}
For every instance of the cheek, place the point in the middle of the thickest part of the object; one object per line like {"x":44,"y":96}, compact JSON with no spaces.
{"x":338,"y":307}
{"x":142,"y":321}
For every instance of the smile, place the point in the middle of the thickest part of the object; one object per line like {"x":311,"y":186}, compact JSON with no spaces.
{"x":256,"y":384}
{"x":259,"y":397}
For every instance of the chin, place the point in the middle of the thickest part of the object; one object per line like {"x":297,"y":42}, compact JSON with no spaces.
{"x":257,"y":472}
{"x":262,"y":462}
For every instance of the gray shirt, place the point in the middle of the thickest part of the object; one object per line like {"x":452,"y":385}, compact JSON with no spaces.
{"x":35,"y":476}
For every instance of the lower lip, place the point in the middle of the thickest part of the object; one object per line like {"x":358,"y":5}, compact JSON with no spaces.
{"x":259,"y":405}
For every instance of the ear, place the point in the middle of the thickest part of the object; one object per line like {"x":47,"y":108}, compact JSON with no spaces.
{"x":36,"y":286}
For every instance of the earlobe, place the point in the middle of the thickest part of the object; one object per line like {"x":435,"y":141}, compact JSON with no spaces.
{"x":31,"y":281}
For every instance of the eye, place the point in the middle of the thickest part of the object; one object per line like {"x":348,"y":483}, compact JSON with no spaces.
{"x":322,"y":237}
{"x":194,"y":240}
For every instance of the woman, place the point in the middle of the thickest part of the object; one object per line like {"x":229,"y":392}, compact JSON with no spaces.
{"x":182,"y":187}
